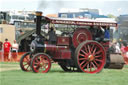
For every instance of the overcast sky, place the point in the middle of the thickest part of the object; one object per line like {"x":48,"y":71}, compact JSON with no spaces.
{"x":115,"y":7}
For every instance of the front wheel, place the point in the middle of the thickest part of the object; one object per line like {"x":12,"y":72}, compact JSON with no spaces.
{"x":90,"y":57}
{"x":25,"y":61}
{"x":41,"y":63}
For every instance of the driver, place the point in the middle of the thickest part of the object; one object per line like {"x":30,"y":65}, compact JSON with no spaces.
{"x":52,"y":36}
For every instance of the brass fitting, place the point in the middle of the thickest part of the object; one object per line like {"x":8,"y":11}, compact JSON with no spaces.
{"x":38,"y":13}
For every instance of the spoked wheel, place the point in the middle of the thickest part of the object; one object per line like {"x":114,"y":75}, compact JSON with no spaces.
{"x":41,"y":63}
{"x":25,"y":61}
{"x":69,"y":68}
{"x":90,"y":57}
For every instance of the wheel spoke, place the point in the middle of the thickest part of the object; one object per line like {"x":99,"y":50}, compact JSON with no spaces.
{"x":45,"y":66}
{"x":99,"y":60}
{"x":86,"y":49}
{"x":25,"y":61}
{"x":41,"y":60}
{"x":84,"y":52}
{"x":92,"y":48}
{"x":96,"y":63}
{"x":25,"y":64}
{"x":94,"y":51}
{"x":27,"y":58}
{"x":81,"y":55}
{"x":82,"y":62}
{"x":27,"y":67}
{"x":90,"y":67}
{"x":85,"y":65}
{"x":40,"y":67}
{"x":89,"y":49}
{"x":36,"y":63}
{"x":93,"y":65}
{"x":98,"y":56}
{"x":98,"y":52}
{"x":83,"y":58}
{"x":36,"y":60}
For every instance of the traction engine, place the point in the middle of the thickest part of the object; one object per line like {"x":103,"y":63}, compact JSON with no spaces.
{"x":83,"y":50}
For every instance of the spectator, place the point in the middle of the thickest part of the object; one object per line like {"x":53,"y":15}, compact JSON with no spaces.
{"x":122,"y":48}
{"x":1,"y":53}
{"x":7,"y":47}
{"x":117,"y":47}
{"x":14,"y":51}
{"x":1,"y":45}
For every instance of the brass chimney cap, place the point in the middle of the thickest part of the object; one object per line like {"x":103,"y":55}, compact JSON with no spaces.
{"x":38,"y":13}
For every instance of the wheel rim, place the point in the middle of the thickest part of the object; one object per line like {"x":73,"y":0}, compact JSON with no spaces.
{"x":25,"y":62}
{"x":81,"y":37}
{"x":91,"y":57}
{"x":41,"y":63}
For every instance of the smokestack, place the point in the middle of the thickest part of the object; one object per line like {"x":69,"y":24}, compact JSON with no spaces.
{"x":38,"y":22}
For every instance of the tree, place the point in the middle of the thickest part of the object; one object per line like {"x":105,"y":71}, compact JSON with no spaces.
{"x":111,"y":16}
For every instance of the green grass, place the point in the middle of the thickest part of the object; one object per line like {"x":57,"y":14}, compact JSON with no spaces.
{"x":56,"y":76}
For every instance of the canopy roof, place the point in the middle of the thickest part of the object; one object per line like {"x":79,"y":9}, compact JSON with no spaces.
{"x":83,"y":22}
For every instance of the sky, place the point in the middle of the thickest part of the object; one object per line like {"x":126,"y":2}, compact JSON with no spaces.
{"x":115,"y":7}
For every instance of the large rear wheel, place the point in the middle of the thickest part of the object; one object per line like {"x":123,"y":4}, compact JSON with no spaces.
{"x":90,"y":57}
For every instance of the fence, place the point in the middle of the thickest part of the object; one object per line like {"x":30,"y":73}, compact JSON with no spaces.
{"x":17,"y":60}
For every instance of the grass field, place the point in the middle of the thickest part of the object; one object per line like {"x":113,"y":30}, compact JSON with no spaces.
{"x":10,"y":74}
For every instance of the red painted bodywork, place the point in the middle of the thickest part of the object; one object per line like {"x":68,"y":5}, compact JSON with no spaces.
{"x":61,"y":50}
{"x":105,"y":45}
{"x":63,"y":41}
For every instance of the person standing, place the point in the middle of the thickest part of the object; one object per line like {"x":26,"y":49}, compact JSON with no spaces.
{"x":7,"y":47}
{"x":14,"y":51}
{"x":1,"y":45}
{"x":1,"y":51}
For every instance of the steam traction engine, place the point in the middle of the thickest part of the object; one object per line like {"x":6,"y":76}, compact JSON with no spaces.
{"x":83,"y":48}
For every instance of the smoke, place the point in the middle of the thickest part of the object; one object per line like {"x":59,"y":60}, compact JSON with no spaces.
{"x":43,"y":4}
{"x":54,"y":6}
{"x":50,"y":5}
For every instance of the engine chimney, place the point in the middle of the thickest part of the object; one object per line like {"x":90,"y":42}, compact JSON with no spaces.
{"x":38,"y":22}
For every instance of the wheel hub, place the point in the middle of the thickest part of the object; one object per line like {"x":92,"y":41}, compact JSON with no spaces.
{"x":81,"y":35}
{"x":91,"y":58}
{"x":28,"y":62}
